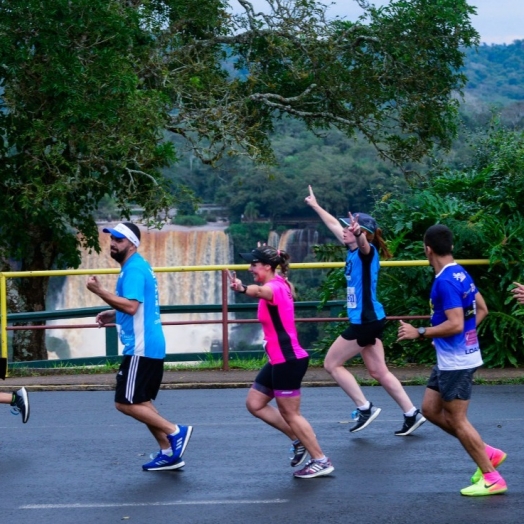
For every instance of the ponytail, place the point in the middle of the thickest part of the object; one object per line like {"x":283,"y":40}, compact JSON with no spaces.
{"x":284,"y":267}
{"x":378,"y":241}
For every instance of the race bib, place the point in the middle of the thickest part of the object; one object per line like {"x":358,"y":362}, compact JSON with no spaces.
{"x":351,"y":298}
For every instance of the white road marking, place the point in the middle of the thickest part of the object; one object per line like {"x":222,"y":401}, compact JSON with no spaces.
{"x":146,"y":504}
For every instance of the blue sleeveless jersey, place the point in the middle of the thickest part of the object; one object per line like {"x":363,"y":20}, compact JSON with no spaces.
{"x":141,"y":333}
{"x":361,"y":273}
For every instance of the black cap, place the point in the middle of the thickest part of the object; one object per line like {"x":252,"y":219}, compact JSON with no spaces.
{"x":256,"y":255}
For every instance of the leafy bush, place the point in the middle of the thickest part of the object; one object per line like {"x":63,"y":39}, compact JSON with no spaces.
{"x":482,"y":205}
{"x":189,"y":220}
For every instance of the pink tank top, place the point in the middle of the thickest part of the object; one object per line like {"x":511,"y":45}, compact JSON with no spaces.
{"x":278,"y":323}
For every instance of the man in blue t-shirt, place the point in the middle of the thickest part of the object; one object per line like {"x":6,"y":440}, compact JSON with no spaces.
{"x":457,"y":308}
{"x":136,"y":311}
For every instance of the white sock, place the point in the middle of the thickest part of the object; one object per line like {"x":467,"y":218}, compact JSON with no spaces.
{"x":322,"y":460}
{"x":168,"y":451}
{"x":365,"y":407}
{"x":411,"y":412}
{"x":177,"y":430}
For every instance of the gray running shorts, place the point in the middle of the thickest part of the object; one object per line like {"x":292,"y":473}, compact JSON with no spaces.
{"x":452,"y":385}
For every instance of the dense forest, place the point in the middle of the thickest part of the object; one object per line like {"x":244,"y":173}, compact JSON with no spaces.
{"x":496,"y":73}
{"x":346,"y":170}
{"x":475,"y":188}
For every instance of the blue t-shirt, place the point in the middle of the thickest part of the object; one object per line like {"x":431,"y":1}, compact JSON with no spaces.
{"x":361,"y":273}
{"x":454,"y":288}
{"x":141,"y":333}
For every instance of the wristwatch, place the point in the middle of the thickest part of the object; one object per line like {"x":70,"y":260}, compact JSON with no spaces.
{"x":421,"y":332}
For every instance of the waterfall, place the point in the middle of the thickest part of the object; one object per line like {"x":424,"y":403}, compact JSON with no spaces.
{"x":273,"y":239}
{"x":166,"y":248}
{"x":296,"y":242}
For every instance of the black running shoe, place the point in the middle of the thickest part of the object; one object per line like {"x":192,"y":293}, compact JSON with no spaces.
{"x":20,"y":404}
{"x":299,"y":454}
{"x":364,"y":417}
{"x":411,"y":424}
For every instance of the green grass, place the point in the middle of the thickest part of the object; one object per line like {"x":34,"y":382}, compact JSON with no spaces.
{"x":500,"y":381}
{"x":247,"y":364}
{"x":64,"y":369}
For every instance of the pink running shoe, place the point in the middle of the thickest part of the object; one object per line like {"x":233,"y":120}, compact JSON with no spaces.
{"x":497,"y":458}
{"x":314,"y":468}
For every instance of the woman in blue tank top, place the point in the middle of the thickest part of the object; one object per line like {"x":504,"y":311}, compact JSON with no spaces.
{"x":363,"y":239}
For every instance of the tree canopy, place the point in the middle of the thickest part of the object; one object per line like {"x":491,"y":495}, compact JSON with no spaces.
{"x":89,"y":88}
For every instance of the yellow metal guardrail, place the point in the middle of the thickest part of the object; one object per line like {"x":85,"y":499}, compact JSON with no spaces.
{"x":71,"y":272}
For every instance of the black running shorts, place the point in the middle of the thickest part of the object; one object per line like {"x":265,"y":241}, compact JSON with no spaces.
{"x":365,"y":334}
{"x":281,"y":379}
{"x":138,"y":379}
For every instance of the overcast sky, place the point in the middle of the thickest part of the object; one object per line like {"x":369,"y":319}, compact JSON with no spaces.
{"x":497,"y":21}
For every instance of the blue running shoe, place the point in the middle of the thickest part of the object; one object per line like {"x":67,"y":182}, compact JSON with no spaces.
{"x":164,"y":463}
{"x":180,"y":440}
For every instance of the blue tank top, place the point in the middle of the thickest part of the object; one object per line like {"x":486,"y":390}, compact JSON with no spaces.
{"x":361,"y":274}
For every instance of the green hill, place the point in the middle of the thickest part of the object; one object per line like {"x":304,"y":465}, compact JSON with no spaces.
{"x":495,"y":74}
{"x":344,"y":170}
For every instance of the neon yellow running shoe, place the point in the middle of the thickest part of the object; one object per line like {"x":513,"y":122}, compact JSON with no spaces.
{"x":481,"y":489}
{"x":496,"y":459}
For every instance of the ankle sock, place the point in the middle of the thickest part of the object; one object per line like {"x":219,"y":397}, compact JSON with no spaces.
{"x":411,"y":412}
{"x":492,"y":476}
{"x":365,"y":407}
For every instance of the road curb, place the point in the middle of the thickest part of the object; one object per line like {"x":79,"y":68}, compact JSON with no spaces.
{"x":419,"y":381}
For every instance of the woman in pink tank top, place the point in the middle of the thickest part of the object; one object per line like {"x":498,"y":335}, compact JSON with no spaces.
{"x":281,"y":377}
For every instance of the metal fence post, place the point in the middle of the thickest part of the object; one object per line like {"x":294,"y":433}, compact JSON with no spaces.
{"x":111,"y":342}
{"x":225,"y":325}
{"x":3,"y":320}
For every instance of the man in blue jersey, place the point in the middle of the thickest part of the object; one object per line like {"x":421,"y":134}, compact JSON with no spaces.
{"x":136,"y":313}
{"x":457,"y":308}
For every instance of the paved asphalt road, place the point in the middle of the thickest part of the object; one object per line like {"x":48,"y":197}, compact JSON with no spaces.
{"x":79,"y":461}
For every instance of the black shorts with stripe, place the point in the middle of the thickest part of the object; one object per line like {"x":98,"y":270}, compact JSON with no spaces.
{"x":138,"y":379}
{"x":286,"y":376}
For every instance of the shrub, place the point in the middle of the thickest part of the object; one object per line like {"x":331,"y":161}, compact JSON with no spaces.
{"x":189,"y":220}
